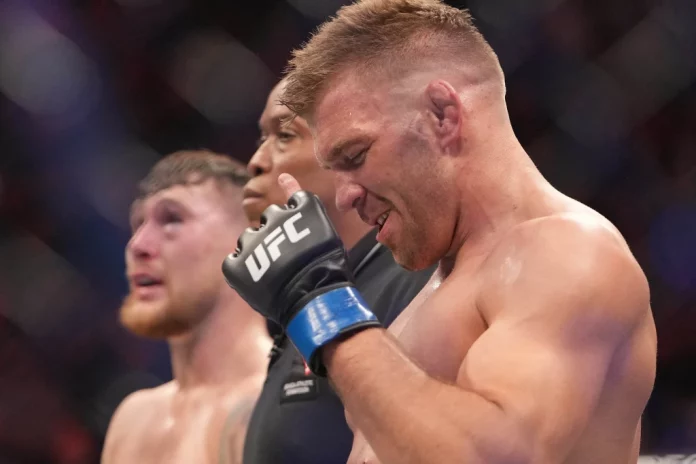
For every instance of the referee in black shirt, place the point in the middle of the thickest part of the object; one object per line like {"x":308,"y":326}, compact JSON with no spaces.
{"x":298,"y":419}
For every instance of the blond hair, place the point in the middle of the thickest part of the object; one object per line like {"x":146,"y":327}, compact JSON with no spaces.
{"x":385,"y":35}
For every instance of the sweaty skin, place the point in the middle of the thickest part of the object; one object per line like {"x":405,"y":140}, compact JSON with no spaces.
{"x":569,"y":377}
{"x":533,"y":343}
{"x":218,"y":344}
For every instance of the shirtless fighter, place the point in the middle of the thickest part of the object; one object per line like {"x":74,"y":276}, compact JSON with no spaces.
{"x":188,"y":210}
{"x":534,"y":342}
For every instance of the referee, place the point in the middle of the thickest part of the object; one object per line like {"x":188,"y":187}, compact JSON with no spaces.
{"x":298,"y":418}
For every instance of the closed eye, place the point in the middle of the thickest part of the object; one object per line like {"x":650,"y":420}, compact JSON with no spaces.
{"x":354,"y":162}
{"x":285,"y":136}
{"x":359,"y":159}
{"x":168,"y":216}
{"x":172,"y":218}
{"x":347,"y":155}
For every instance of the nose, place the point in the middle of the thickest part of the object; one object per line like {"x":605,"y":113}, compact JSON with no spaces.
{"x":348,"y":193}
{"x":142,"y":245}
{"x":261,"y":161}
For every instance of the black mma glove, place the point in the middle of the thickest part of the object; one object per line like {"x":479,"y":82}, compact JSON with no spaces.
{"x":293,"y":271}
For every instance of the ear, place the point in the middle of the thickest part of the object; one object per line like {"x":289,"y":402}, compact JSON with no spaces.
{"x":447,"y":115}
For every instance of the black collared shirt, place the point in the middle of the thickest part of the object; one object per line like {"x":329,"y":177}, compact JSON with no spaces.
{"x":298,"y":419}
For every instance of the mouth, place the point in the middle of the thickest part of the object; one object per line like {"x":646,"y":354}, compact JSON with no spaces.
{"x":382,"y":219}
{"x":248,"y":193}
{"x":251,"y":198}
{"x":145,"y":284}
{"x":146,"y":281}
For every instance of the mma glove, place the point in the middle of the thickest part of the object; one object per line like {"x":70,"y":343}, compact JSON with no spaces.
{"x":293,"y":270}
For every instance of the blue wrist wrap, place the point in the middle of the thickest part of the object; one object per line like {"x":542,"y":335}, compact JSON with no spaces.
{"x":325,"y":318}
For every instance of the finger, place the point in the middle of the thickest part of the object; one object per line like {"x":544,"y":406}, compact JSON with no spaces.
{"x":289,"y":184}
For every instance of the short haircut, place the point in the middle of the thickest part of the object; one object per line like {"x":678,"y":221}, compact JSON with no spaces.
{"x":192,"y":167}
{"x":385,"y":35}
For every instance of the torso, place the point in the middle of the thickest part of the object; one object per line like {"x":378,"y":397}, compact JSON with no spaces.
{"x":161,"y":426}
{"x":438,"y":341}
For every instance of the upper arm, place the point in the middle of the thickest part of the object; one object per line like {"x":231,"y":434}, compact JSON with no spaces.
{"x":561,"y":308}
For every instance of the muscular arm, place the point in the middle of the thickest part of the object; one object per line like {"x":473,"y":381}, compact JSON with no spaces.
{"x":526,"y":388}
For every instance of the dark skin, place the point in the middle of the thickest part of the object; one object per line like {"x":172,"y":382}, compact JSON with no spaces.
{"x":286,"y":145}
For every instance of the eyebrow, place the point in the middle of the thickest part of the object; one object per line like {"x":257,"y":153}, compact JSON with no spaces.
{"x":278,"y":121}
{"x":137,"y":208}
{"x":339,"y":150}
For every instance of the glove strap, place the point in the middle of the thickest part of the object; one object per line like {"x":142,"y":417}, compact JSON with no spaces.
{"x":326,"y":317}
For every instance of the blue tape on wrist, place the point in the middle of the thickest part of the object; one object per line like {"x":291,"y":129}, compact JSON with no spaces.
{"x":325,"y":317}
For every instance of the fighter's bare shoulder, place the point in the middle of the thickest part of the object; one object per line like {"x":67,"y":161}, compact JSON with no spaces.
{"x":141,"y":402}
{"x":133,"y":413}
{"x":575,"y":260}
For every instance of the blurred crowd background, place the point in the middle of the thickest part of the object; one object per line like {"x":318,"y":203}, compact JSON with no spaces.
{"x":92,"y":92}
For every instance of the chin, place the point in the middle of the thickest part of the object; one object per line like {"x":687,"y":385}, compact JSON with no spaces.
{"x":151,"y":319}
{"x":412,"y":259}
{"x":404,"y":260}
{"x":410,"y":265}
{"x":253,"y":216}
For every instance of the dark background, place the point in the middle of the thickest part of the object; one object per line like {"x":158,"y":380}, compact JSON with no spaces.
{"x":93,"y":92}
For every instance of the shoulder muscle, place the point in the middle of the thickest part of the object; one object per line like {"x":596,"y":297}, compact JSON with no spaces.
{"x":127,"y":414}
{"x":574,"y":267}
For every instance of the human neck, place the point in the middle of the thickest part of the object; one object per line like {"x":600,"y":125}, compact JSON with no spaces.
{"x":228,"y":348}
{"x":498,"y":189}
{"x":349,"y":227}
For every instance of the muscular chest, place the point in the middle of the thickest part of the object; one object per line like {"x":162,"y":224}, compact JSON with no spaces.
{"x":437,"y":333}
{"x":173,"y":438}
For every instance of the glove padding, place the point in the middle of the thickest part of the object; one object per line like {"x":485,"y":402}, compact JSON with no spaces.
{"x":296,"y":263}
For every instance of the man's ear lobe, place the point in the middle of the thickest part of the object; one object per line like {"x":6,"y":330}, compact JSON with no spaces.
{"x":446,"y":108}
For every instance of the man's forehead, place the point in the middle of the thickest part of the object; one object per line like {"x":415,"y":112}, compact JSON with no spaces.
{"x":340,"y":97}
{"x":275,"y":114}
{"x":341,"y":119}
{"x":179,"y":193}
{"x":141,"y":206}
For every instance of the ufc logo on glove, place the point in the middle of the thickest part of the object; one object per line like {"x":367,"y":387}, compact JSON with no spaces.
{"x":307,"y":288}
{"x":257,"y":267}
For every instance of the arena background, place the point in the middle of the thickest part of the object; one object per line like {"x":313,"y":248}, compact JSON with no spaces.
{"x":93,"y":92}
